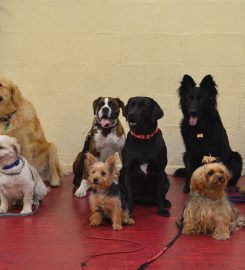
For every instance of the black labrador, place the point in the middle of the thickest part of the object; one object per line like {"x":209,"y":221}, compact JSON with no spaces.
{"x":202,"y":129}
{"x":143,"y":178}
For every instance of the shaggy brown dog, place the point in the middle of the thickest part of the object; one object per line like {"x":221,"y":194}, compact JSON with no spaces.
{"x":18,"y":119}
{"x":208,"y":210}
{"x":104,"y":199}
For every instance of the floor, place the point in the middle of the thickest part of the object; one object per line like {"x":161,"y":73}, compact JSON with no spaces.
{"x":55,"y":238}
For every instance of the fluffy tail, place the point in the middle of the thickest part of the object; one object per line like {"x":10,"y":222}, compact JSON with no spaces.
{"x":54,"y":166}
{"x":234,"y":164}
{"x":40,"y":189}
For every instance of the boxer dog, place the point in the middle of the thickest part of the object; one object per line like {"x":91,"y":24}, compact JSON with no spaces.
{"x":104,"y":139}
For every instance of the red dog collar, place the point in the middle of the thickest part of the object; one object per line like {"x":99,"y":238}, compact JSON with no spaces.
{"x":144,"y":137}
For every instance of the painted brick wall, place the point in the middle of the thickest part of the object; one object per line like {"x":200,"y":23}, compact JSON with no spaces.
{"x":65,"y":53}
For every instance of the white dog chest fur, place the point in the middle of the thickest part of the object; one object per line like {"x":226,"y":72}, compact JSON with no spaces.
{"x":108,"y":145}
{"x":144,"y":167}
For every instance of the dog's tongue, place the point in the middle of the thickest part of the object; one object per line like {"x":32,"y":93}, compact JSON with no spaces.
{"x":193,"y":121}
{"x":105,"y":122}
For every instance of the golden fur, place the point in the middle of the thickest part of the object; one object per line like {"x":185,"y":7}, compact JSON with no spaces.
{"x":100,"y":179}
{"x":25,"y":126}
{"x":208,"y":211}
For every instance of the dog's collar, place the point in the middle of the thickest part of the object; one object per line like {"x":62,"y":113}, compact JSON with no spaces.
{"x":111,"y":190}
{"x":7,"y":167}
{"x":7,"y":117}
{"x":144,"y":136}
{"x":5,"y":120}
{"x":10,"y":166}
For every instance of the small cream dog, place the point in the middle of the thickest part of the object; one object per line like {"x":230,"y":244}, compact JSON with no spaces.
{"x":18,"y":179}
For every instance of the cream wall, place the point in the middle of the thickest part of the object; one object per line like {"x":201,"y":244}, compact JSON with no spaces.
{"x":65,"y":53}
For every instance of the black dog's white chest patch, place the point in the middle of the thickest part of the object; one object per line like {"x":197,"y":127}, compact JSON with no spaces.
{"x":144,"y":167}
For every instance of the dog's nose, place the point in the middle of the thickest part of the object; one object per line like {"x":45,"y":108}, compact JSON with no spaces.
{"x":192,"y":112}
{"x":95,"y":180}
{"x":220,"y":179}
{"x":105,"y":110}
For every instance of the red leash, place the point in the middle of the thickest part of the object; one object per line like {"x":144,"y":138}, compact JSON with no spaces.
{"x":148,"y":262}
{"x":89,"y":257}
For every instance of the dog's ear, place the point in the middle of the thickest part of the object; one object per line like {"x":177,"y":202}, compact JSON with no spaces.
{"x":16,"y":147}
{"x":114,"y":163}
{"x":90,"y":159}
{"x":125,"y":109}
{"x":157,"y":112}
{"x":186,"y":83}
{"x":120,"y":103}
{"x":15,"y":94}
{"x":198,"y":180}
{"x":209,"y":84}
{"x":95,"y":103}
{"x":118,"y":163}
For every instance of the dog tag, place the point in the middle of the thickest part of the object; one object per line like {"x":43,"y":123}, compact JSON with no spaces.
{"x":199,"y":135}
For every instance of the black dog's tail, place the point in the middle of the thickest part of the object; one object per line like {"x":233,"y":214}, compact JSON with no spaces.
{"x":234,"y":164}
{"x":181,"y":172}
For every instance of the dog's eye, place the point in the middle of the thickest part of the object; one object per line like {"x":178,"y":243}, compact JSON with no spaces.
{"x":103,"y":173}
{"x":210,"y":173}
{"x":102,"y":103}
{"x":93,"y":172}
{"x":1,"y":85}
{"x":1,"y":147}
{"x":112,"y":104}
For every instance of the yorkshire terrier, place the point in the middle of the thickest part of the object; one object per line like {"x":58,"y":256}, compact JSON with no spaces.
{"x":208,"y":211}
{"x":104,"y":198}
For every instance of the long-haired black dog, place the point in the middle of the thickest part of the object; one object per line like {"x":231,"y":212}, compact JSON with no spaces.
{"x":202,"y":130}
{"x":144,"y":157}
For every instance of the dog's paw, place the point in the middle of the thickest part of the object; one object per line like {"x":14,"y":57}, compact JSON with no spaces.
{"x":167,"y":203}
{"x":163,"y":213}
{"x":80,"y":193}
{"x":26,"y":211}
{"x":187,"y":232}
{"x":95,"y":219}
{"x":82,"y":190}
{"x":55,"y":183}
{"x":116,"y":227}
{"x":95,"y":223}
{"x":221,"y":236}
{"x":3,"y":210}
{"x":128,"y":221}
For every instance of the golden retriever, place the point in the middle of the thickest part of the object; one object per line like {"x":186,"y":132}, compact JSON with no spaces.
{"x":18,"y":119}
